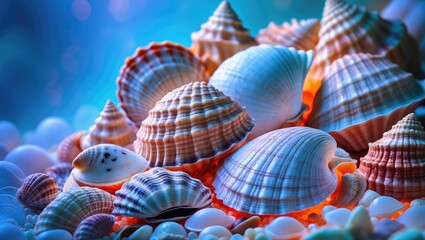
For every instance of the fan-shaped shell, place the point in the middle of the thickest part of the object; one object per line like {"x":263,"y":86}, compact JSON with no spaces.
{"x":362,"y":96}
{"x":70,"y":147}
{"x":37,"y":191}
{"x":111,"y":127}
{"x":301,"y":35}
{"x":221,"y":37}
{"x":71,"y":207}
{"x":160,"y":195}
{"x":151,"y":73}
{"x":282,"y":171}
{"x":268,"y":81}
{"x":395,"y":164}
{"x":191,"y":124}
{"x":60,"y":172}
{"x":107,"y":166}
{"x":94,"y":227}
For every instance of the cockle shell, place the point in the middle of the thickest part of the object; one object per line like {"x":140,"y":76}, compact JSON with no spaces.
{"x":350,"y":190}
{"x":192,"y":124}
{"x":361,"y":97}
{"x":268,"y":81}
{"x":71,"y":207}
{"x":70,"y":147}
{"x":301,"y":35}
{"x":95,"y":226}
{"x":221,"y":37}
{"x":111,"y":127}
{"x":160,"y":195}
{"x":60,"y":172}
{"x":395,"y":164}
{"x":106,"y":166}
{"x":282,"y":171}
{"x":151,"y":73}
{"x":37,"y":191}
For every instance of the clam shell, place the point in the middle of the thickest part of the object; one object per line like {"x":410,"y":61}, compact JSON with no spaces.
{"x":70,"y":147}
{"x":107,"y":166}
{"x":71,"y":207}
{"x":151,"y":73}
{"x":301,"y":35}
{"x":191,"y":124}
{"x":37,"y":191}
{"x":95,"y":226}
{"x":111,"y":127}
{"x":268,"y":81}
{"x":395,"y":164}
{"x":362,"y":96}
{"x":221,"y":37}
{"x":349,"y":191}
{"x":60,"y":172}
{"x":160,"y":195}
{"x":282,"y":171}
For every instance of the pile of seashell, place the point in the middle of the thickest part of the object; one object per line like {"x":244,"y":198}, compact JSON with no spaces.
{"x":305,"y":131}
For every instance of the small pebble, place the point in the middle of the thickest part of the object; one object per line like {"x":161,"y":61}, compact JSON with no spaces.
{"x":143,"y":233}
{"x":417,"y":202}
{"x":29,"y":234}
{"x":28,"y":218}
{"x":338,"y":217}
{"x":169,"y":228}
{"x":236,"y":237}
{"x":359,"y":223}
{"x":312,"y":226}
{"x":413,"y":217}
{"x":368,"y":197}
{"x":407,"y":234}
{"x":250,"y":234}
{"x":34,"y":219}
{"x":329,"y":234}
{"x":192,"y":235}
{"x":54,"y":235}
{"x":261,"y":236}
{"x":218,"y":231}
{"x":385,"y":228}
{"x":242,"y":226}
{"x":28,"y":225}
{"x":327,"y":209}
{"x":11,"y":231}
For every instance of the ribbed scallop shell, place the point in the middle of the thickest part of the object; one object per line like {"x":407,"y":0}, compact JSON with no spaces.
{"x":361,"y":97}
{"x":160,"y":195}
{"x":151,"y":73}
{"x":70,"y":147}
{"x":110,"y":127}
{"x":193,"y":123}
{"x":395,"y":164}
{"x":347,"y":29}
{"x":71,"y":207}
{"x":268,"y":81}
{"x":282,"y":171}
{"x":221,"y":37}
{"x":94,"y":227}
{"x":301,"y":35}
{"x":107,"y":166}
{"x":60,"y":172}
{"x":37,"y":191}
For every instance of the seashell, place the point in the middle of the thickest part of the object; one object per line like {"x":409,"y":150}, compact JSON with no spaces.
{"x":251,"y":181}
{"x":30,"y":158}
{"x":70,"y":183}
{"x":414,"y":202}
{"x":409,"y":233}
{"x":208,"y":217}
{"x":221,"y":37}
{"x":9,"y":135}
{"x":359,"y":223}
{"x":395,"y":164}
{"x":192,"y":124}
{"x":71,"y":207}
{"x":338,"y":217}
{"x":11,"y":175}
{"x":301,"y":35}
{"x":50,"y":132}
{"x":217,"y":231}
{"x":357,"y":103}
{"x":169,"y":230}
{"x":37,"y":191}
{"x":368,"y":197}
{"x":347,"y":29}
{"x":255,"y":79}
{"x":11,"y":231}
{"x":111,"y":127}
{"x":55,"y":234}
{"x":60,"y":172}
{"x":160,"y":195}
{"x":349,"y":190}
{"x":106,"y":166}
{"x":413,"y":217}
{"x":329,"y":233}
{"x":285,"y":228}
{"x":95,"y":226}
{"x":239,"y":227}
{"x":151,"y":73}
{"x":70,"y":147}
{"x":11,"y":210}
{"x":384,"y":206}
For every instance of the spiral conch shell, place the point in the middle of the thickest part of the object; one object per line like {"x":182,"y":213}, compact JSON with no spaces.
{"x":395,"y":164}
{"x":301,"y":35}
{"x":151,"y":73}
{"x":221,"y":37}
{"x":282,"y":171}
{"x":268,"y":81}
{"x":361,"y":97}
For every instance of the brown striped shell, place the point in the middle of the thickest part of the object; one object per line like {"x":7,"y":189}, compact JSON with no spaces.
{"x":37,"y":191}
{"x":94,"y":227}
{"x":60,"y":172}
{"x":70,"y":147}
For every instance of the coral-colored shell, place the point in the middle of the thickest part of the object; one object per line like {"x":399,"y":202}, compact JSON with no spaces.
{"x":395,"y":164}
{"x":268,"y":81}
{"x":282,"y":171}
{"x":70,"y":147}
{"x":191,"y":124}
{"x":151,"y":73}
{"x":362,"y":96}
{"x":111,"y":127}
{"x":160,"y":195}
{"x":37,"y":191}
{"x":94,"y":227}
{"x":70,"y":208}
{"x":60,"y":172}
{"x":107,"y":166}
{"x":221,"y":37}
{"x":301,"y":35}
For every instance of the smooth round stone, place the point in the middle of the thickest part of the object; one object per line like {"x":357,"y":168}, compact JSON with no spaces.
{"x":11,"y":210}
{"x":417,"y":202}
{"x":9,"y":190}
{"x":338,"y":217}
{"x":240,"y":226}
{"x":359,"y":223}
{"x":384,"y":206}
{"x":217,"y":231}
{"x":385,"y":228}
{"x":11,"y":231}
{"x":208,"y":217}
{"x":407,"y":234}
{"x":285,"y":228}
{"x":3,"y":152}
{"x":30,"y":158}
{"x":57,"y":234}
{"x":143,"y":233}
{"x":9,"y":135}
{"x":169,"y":228}
{"x":413,"y":217}
{"x":192,"y":235}
{"x":330,"y":233}
{"x":327,"y":209}
{"x":236,"y":237}
{"x":51,"y":131}
{"x":11,"y":175}
{"x":368,"y":197}
{"x":84,"y":117}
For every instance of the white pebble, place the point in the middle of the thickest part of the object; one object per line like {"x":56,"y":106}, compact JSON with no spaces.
{"x":338,"y":217}
{"x":192,"y":235}
{"x":54,"y":235}
{"x":218,"y":231}
{"x":34,"y":219}
{"x":11,"y":231}
{"x":236,"y":237}
{"x":413,"y":217}
{"x":143,"y":233}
